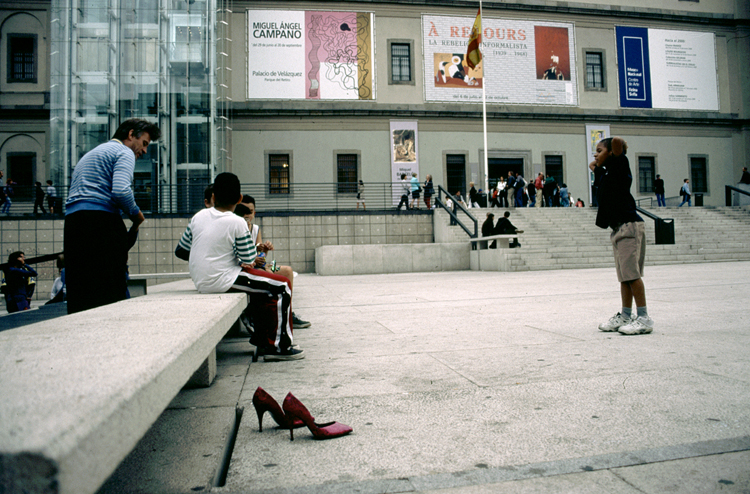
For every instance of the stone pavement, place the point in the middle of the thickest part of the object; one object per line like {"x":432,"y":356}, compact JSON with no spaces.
{"x":470,"y":382}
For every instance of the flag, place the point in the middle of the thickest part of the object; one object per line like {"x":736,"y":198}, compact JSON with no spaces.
{"x":473,"y":55}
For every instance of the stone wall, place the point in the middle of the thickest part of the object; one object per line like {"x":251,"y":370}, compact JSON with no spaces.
{"x":295,"y":238}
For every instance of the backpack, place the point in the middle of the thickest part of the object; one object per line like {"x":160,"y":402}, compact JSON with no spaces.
{"x":682,"y":191}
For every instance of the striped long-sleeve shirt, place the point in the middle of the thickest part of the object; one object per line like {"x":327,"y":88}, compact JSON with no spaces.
{"x":102,"y":180}
{"x":218,"y":243}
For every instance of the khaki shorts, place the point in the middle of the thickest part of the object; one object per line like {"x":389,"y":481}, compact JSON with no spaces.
{"x":629,"y":246}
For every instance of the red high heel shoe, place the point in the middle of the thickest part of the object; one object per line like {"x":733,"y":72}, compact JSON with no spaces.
{"x":294,"y":409}
{"x":263,"y":402}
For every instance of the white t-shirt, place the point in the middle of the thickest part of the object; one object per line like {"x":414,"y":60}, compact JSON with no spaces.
{"x":214,"y":265}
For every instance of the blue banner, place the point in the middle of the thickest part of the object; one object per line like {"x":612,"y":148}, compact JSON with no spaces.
{"x":633,"y":67}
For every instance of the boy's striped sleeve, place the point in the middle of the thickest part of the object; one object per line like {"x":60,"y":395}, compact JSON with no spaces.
{"x":186,"y":241}
{"x":244,"y":248}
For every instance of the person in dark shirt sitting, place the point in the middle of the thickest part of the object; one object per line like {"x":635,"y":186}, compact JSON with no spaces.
{"x":745,"y":176}
{"x":617,"y":211}
{"x":505,"y":227}
{"x":17,"y":275}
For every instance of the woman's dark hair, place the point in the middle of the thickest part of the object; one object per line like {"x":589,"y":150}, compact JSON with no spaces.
{"x":241,"y":210}
{"x":246,"y":199}
{"x":13,"y":257}
{"x":138,"y":126}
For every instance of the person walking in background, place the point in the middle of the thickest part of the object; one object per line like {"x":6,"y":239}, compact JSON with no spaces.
{"x":511,"y":187}
{"x":503,"y":195}
{"x":51,"y":197}
{"x":460,"y":199}
{"x":617,"y":211}
{"x":361,"y":195}
{"x":520,"y":191}
{"x":95,"y":234}
{"x":659,"y":191}
{"x":473,"y":196}
{"x":685,"y":193}
{"x":39,"y":198}
{"x":415,"y":190}
{"x":531,"y":192}
{"x":405,"y":191}
{"x":429,"y":190}
{"x":745,"y":179}
{"x":564,"y":196}
{"x":7,"y":194}
{"x":539,"y":185}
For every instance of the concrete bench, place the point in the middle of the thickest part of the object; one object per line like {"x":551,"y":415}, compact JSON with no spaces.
{"x":78,"y":392}
{"x":485,"y":259}
{"x":503,"y":241}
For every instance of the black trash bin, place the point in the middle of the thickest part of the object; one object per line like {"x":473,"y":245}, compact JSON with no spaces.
{"x":664,"y":231}
{"x":699,"y":199}
{"x":482,"y":200}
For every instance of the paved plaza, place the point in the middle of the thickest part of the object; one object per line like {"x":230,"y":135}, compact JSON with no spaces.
{"x":468,"y":382}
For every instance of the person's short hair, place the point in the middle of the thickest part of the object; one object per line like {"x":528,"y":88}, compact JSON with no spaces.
{"x":685,"y":181}
{"x":248,"y":199}
{"x":241,"y":210}
{"x":413,"y":174}
{"x":403,"y":176}
{"x":138,"y":126}
{"x":226,"y":189}
{"x":607,"y":142}
{"x":39,"y":184}
{"x":208,"y":192}
{"x":564,"y":184}
{"x":49,"y":182}
{"x":658,"y":176}
{"x":13,"y":257}
{"x":490,"y":215}
{"x":507,"y":214}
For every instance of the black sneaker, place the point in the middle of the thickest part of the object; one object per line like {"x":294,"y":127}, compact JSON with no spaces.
{"x":299,"y":323}
{"x":273,"y":355}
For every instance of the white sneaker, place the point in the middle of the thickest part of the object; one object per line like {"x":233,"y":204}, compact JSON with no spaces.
{"x":641,"y":325}
{"x":615,"y":322}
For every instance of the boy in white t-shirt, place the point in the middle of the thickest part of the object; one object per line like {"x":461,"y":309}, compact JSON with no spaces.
{"x":220,"y":251}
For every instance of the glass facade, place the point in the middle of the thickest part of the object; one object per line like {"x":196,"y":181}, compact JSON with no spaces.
{"x":161,"y":60}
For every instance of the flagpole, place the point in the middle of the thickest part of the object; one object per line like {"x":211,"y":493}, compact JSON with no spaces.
{"x":484,"y":115}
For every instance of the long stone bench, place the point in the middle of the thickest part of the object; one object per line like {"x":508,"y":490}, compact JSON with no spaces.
{"x":391,"y":258}
{"x":79,"y":391}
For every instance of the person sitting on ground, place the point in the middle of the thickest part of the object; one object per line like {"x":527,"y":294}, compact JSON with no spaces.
{"x":16,"y":288}
{"x":219,"y":248}
{"x":505,"y":227}
{"x":745,"y":179}
{"x":580,"y":204}
{"x":247,"y":211}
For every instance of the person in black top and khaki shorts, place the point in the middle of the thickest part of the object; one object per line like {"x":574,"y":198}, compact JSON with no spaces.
{"x":617,"y":211}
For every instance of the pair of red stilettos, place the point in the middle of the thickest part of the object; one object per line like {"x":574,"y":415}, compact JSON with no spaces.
{"x":293,"y":416}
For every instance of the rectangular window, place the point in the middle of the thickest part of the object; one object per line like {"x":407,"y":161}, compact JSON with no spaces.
{"x":594,"y":70}
{"x":21,"y":58}
{"x":400,"y":62}
{"x":699,"y":174}
{"x":646,"y":174}
{"x":346,"y":171}
{"x":278,"y":173}
{"x":553,"y":164}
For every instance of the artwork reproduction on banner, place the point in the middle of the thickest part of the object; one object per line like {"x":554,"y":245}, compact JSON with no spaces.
{"x":671,"y":70}
{"x":523,"y":62}
{"x":309,"y":55}
{"x":594,"y":134}
{"x":404,"y":154}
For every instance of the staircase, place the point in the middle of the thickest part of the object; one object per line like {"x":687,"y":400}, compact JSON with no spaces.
{"x":567,"y":238}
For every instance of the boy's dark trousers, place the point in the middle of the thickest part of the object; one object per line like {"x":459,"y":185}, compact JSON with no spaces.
{"x":269,"y":307}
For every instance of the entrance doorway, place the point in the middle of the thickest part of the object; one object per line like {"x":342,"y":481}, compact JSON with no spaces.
{"x":21,"y":170}
{"x":499,"y":167}
{"x":455,"y":169}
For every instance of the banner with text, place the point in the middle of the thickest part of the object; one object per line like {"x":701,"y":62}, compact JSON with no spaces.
{"x":673,"y":70}
{"x":524,"y":62}
{"x":309,"y":55}
{"x":404,"y":154}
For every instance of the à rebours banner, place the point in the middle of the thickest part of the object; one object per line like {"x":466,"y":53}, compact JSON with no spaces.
{"x":309,"y":55}
{"x":524,"y":62}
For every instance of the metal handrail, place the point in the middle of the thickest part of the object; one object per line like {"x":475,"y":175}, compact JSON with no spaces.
{"x":453,"y":215}
{"x":728,"y":189}
{"x":659,"y":225}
